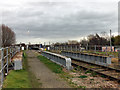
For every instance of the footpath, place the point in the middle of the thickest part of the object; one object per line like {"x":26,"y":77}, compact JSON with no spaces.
{"x":44,"y":75}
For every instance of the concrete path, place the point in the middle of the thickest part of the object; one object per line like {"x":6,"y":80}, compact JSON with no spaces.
{"x":43,"y":74}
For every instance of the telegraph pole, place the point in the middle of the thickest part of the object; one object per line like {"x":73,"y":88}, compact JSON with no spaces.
{"x":110,"y":41}
{"x":1,"y":36}
{"x":1,"y":32}
{"x":119,"y":31}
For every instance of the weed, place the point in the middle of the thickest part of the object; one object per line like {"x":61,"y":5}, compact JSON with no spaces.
{"x":92,"y":79}
{"x":73,"y":70}
{"x":88,"y":71}
{"x":83,"y":76}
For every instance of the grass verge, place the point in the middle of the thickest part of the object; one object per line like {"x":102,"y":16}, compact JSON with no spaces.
{"x":21,"y":78}
{"x":52,"y":66}
{"x":18,"y":78}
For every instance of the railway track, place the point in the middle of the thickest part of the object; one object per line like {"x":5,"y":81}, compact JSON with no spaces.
{"x":111,"y":73}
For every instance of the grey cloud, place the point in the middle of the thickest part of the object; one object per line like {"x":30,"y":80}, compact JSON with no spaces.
{"x":70,"y":27}
{"x":47,"y":22}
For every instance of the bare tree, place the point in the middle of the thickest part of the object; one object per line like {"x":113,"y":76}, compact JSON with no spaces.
{"x":97,"y":40}
{"x":8,"y":36}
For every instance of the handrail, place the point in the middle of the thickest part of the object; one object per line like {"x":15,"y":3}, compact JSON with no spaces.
{"x":6,"y":55}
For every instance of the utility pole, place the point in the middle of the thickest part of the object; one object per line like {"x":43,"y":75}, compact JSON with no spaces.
{"x":1,"y":36}
{"x":1,"y":41}
{"x":110,"y":41}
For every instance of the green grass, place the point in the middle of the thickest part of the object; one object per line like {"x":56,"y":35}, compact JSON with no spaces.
{"x":108,"y":53}
{"x":18,"y":78}
{"x":52,"y":66}
{"x":104,"y":53}
{"x":21,"y":78}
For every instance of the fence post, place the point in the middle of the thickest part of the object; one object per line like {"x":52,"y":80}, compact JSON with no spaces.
{"x":76,"y":48}
{"x":10,"y":54}
{"x":7,"y":60}
{"x":95,"y":48}
{"x":2,"y":64}
{"x":71,"y":47}
{"x":87,"y":47}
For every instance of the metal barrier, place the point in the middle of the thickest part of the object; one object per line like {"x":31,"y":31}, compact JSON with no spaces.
{"x":96,"y":59}
{"x":59,"y":59}
{"x":6,"y":55}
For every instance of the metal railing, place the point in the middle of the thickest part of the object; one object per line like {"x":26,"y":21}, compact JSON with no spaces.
{"x":91,"y":58}
{"x":92,"y":48}
{"x":6,"y":55}
{"x":59,"y":59}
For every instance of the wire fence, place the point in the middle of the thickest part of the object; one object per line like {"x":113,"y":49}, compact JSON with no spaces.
{"x":6,"y":55}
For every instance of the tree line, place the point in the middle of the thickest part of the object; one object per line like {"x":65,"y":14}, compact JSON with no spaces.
{"x":95,"y":39}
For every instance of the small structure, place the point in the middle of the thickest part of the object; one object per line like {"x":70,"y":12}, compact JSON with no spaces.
{"x":17,"y":59}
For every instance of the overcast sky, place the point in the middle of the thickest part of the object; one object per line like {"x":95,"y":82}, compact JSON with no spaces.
{"x":39,"y":21}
